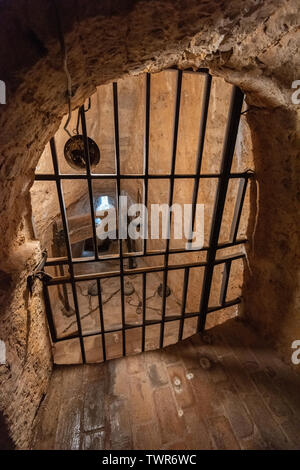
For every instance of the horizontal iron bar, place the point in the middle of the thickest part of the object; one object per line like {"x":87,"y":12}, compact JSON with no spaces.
{"x":72,"y":176}
{"x":167,"y":319}
{"x":149,"y":269}
{"x":201,"y":70}
{"x":138,"y":254}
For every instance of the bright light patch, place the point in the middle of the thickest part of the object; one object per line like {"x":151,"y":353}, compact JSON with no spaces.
{"x":103,"y":204}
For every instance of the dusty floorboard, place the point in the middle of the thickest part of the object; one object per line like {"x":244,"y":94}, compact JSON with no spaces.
{"x":164,"y":399}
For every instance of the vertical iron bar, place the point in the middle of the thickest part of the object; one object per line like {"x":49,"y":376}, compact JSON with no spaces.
{"x":238,"y":209}
{"x":183,"y":302}
{"x":101,"y":318}
{"x":146,"y":172}
{"x":146,"y":158}
{"x":227,"y":156}
{"x":171,"y":192}
{"x":68,"y":245}
{"x":225,"y":280}
{"x":58,"y":252}
{"x":130,"y":248}
{"x":49,"y":313}
{"x":117,"y":155}
{"x":144,"y":312}
{"x":89,"y":180}
{"x":64,"y":297}
{"x":203,"y":122}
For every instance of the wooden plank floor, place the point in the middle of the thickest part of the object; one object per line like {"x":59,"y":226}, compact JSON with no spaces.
{"x":247,"y":399}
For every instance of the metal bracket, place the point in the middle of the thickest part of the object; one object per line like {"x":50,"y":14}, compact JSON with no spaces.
{"x":38,"y":273}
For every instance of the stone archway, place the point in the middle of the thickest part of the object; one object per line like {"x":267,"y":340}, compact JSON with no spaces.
{"x":250,"y":43}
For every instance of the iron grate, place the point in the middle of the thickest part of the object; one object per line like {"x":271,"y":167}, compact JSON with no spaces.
{"x":222,"y":177}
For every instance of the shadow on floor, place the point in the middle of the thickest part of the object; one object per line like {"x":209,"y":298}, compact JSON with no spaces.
{"x":6,"y":442}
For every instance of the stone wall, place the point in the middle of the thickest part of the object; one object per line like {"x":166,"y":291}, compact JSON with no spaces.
{"x":24,"y":377}
{"x":254,"y":44}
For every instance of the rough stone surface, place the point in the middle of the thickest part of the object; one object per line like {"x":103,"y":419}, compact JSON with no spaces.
{"x":24,"y":377}
{"x":254,"y":44}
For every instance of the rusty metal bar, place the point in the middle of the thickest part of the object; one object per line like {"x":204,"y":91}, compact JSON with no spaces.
{"x":149,"y":269}
{"x":109,"y":176}
{"x":168,"y":319}
{"x":236,"y":103}
{"x":203,"y":122}
{"x":225,"y":280}
{"x":146,"y":173}
{"x":101,"y":318}
{"x":175,"y":251}
{"x":68,"y":245}
{"x":89,"y":181}
{"x":238,"y":209}
{"x":117,"y":156}
{"x":171,"y":192}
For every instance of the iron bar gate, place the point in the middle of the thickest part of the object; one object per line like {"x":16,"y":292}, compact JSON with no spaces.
{"x":223,"y":177}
